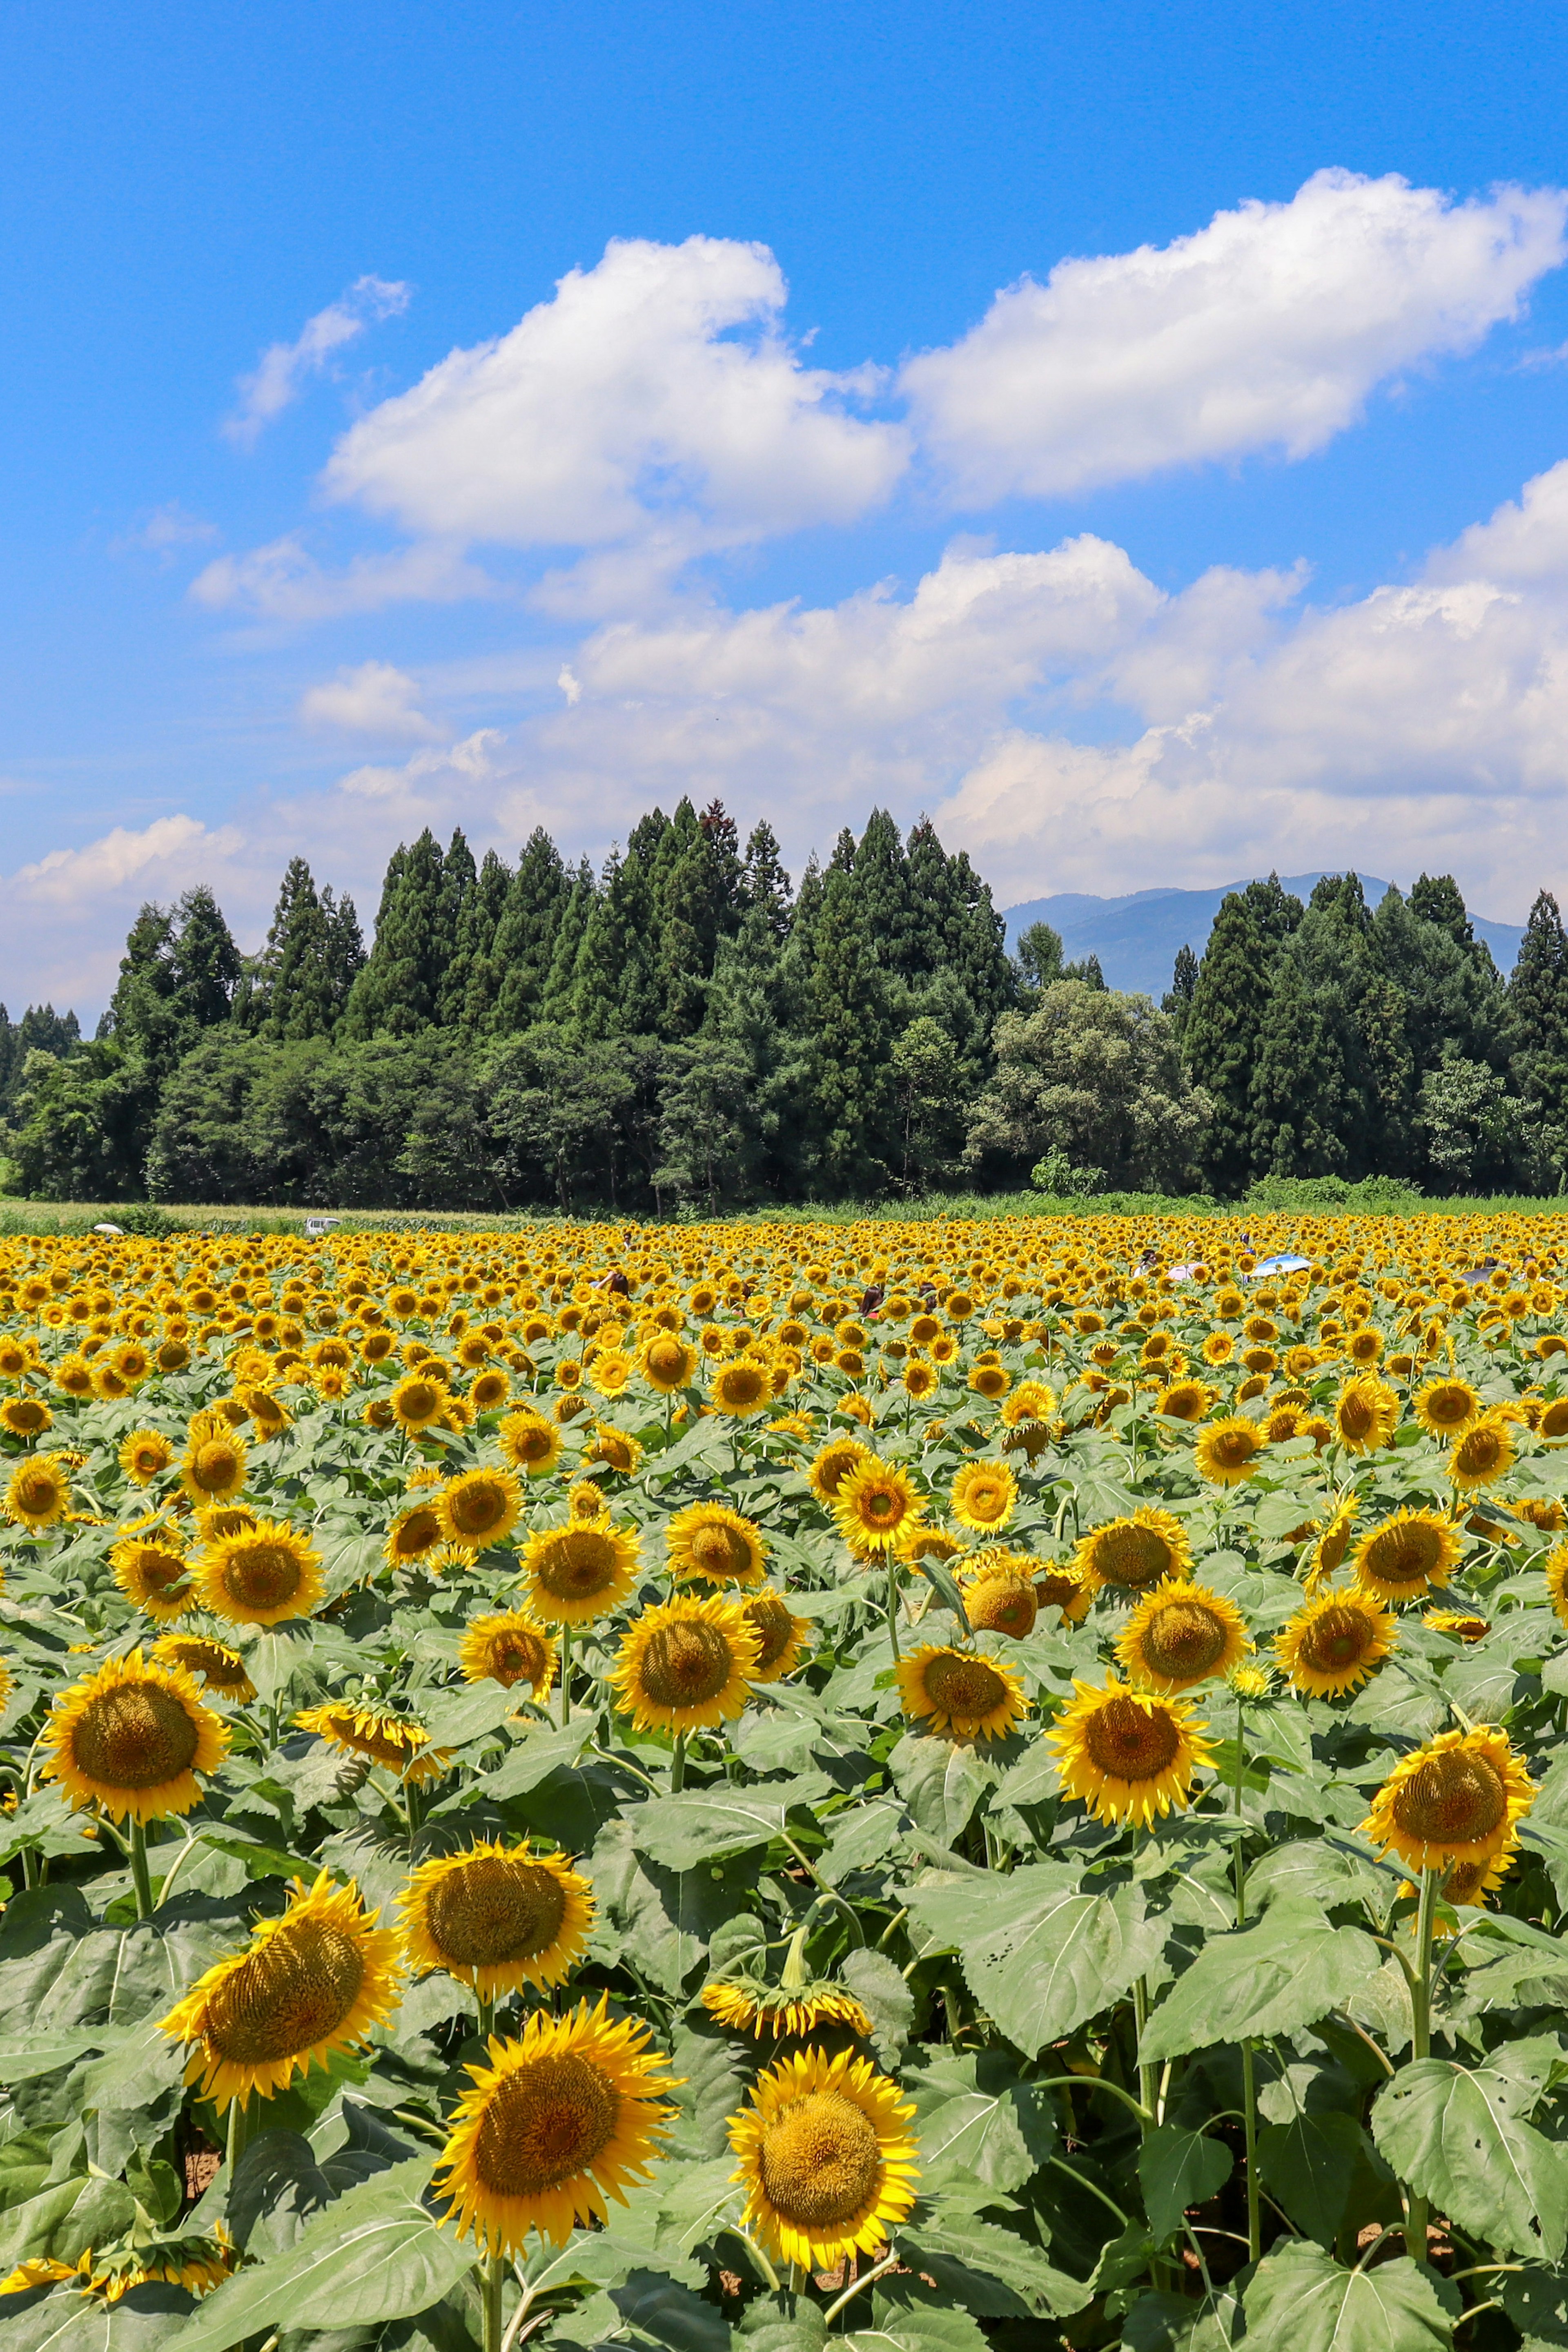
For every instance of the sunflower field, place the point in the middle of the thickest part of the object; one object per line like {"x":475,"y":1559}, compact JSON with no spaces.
{"x":720,"y":1789}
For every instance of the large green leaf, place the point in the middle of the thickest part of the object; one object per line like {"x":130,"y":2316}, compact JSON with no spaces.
{"x":1458,"y":2137}
{"x":1041,"y":1953}
{"x":1286,"y":1972}
{"x":941,"y":1781}
{"x":989,"y":2270}
{"x":64,"y":2220}
{"x":1313,"y":2165}
{"x":1301,"y":2300}
{"x":973,"y":2110}
{"x":1177,"y":2168}
{"x":708,"y":1824}
{"x":145,"y":2320}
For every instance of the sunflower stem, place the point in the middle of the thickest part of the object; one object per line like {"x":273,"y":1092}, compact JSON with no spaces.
{"x":678,"y":1765}
{"x":1148,"y":2084}
{"x":565,"y":1675}
{"x":486,"y":2007}
{"x":1421,"y":2044}
{"x":892,"y":1608}
{"x":239,"y":2132}
{"x":1249,"y":2063}
{"x":140,"y":1878}
{"x":492,"y":2273}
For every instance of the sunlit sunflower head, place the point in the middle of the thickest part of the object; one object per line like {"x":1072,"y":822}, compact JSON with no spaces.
{"x":376,"y":1738}
{"x":1332,"y":1643}
{"x":769,"y":2012}
{"x":1182,"y":1634}
{"x":132,"y":1738}
{"x":610,"y":1370}
{"x":1446,"y":1408}
{"x":576,"y":1573}
{"x":508,"y":1646}
{"x":489,"y":1389}
{"x":1184,"y":1401}
{"x":920,"y":1379}
{"x":530,"y":1443}
{"x":781,"y":1637}
{"x":1061,"y":1585}
{"x":1484,"y":1454}
{"x":496,"y":1917}
{"x":262,"y":1576}
{"x":1129,"y":1754}
{"x":833,"y":1465}
{"x":711,"y":1542}
{"x":586,"y":1501}
{"x":984,"y":1496}
{"x":685,"y":1664}
{"x":1458,"y":1798}
{"x":960,"y":1694}
{"x":26,"y":1416}
{"x":1031,"y":1401}
{"x":1365,"y":1414}
{"x":220,"y":1668}
{"x":1227,"y":1451}
{"x":826,"y":2158}
{"x":480,"y":1506}
{"x":215,"y":1521}
{"x":154,"y":1575}
{"x":1464,"y":1624}
{"x":741,"y":1387}
{"x":1134,"y":1553}
{"x":1556,"y":1570}
{"x":875,"y":1506}
{"x":145,"y":1455}
{"x":311,"y":1983}
{"x":1467,"y":1885}
{"x":1219,"y":1348}
{"x":419,"y":1400}
{"x":1407,"y":1554}
{"x":1328,"y":1553}
{"x":38,"y":1491}
{"x":666,"y":1363}
{"x":213,"y":1467}
{"x":616,"y":1448}
{"x":268,"y":1413}
{"x":570,"y":2114}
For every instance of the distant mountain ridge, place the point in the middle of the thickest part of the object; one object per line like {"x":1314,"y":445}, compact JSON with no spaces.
{"x":1137,"y":938}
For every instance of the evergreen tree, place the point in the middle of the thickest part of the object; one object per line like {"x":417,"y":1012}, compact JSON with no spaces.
{"x":452,"y":961}
{"x":1038,"y":956}
{"x":519,"y":960}
{"x":765,"y":886}
{"x":1224,"y":1023}
{"x":1299,"y":1093}
{"x":1537,"y":1023}
{"x":1177,"y":1000}
{"x":560,"y":977}
{"x":300,"y":983}
{"x":1360,"y":1087}
{"x":849,"y":1028}
{"x":397,"y":990}
{"x":464,"y":999}
{"x":696,"y":879}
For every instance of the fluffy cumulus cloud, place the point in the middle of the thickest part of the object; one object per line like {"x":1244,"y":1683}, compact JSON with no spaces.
{"x":1266,"y":330}
{"x":374,"y":699}
{"x":285,"y":369}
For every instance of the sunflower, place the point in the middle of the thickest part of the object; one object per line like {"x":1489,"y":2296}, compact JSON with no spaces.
{"x":1484,"y":1454}
{"x":1556,"y":1569}
{"x":1181,"y":1633}
{"x":213,"y":1466}
{"x":1465,"y":1625}
{"x":984,"y":1496}
{"x":875,"y":1506}
{"x":145,"y":1455}
{"x":1458,"y":1798}
{"x":576,"y":1573}
{"x":38,"y":1491}
{"x":563,"y":2118}
{"x":496,"y":1917}
{"x":221,"y":1669}
{"x":1062,"y":1586}
{"x":1332,"y":1644}
{"x":617,"y":1450}
{"x":1184,"y":1401}
{"x":508,"y":1646}
{"x":26,"y":1416}
{"x":260,"y":1576}
{"x":1332,"y":1543}
{"x":376,"y":1738}
{"x":666,"y":1363}
{"x":920,"y":1379}
{"x":1001,"y":1598}
{"x":1446,"y":1408}
{"x":1135,"y":1552}
{"x":131,"y":1738}
{"x":417,"y":1531}
{"x":1364,"y":1414}
{"x":762,"y":2010}
{"x":833,"y":1465}
{"x":480,"y":1506}
{"x":1129,"y":1755}
{"x":742,"y":1387}
{"x":610,"y":1370}
{"x":419,"y":1400}
{"x":826,"y":2156}
{"x":1227,"y":1451}
{"x":781,"y":1637}
{"x":310,"y":1984}
{"x":960,"y":1692}
{"x":1402,"y":1556}
{"x":530,"y":1443}
{"x":685,"y":1664}
{"x":154,"y":1575}
{"x":708,"y":1540}
{"x":489,"y":1389}
{"x":920,"y":1542}
{"x":269,"y":1415}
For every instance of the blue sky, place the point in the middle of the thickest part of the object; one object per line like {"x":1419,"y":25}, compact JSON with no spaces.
{"x":1237,"y":541}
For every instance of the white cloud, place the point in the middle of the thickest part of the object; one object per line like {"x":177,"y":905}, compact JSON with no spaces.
{"x":284,"y":368}
{"x":283,"y":582}
{"x":454,"y":767}
{"x":656,"y":383}
{"x":164,"y":532}
{"x":170,"y":854}
{"x":374,"y":698}
{"x":1266,"y":330}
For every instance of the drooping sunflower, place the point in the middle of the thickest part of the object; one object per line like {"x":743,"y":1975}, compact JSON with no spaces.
{"x":529,"y":1441}
{"x":1061,"y":1586}
{"x":132,"y":1738}
{"x":984,"y":1496}
{"x":260,"y":1576}
{"x":508,"y":1646}
{"x":959,"y":1693}
{"x":1483,"y":1455}
{"x":711,"y":1542}
{"x":480,"y":1506}
{"x":1405,"y":1555}
{"x":377,"y":1738}
{"x":145,"y":1455}
{"x":1332,"y":1543}
{"x":1227,"y":1451}
{"x":1182,"y":1634}
{"x":781,"y":1637}
{"x":875,"y":1506}
{"x":763,"y":2010}
{"x":1128,"y":1754}
{"x":310,"y":1984}
{"x":1458,"y":1798}
{"x":1465,"y":1625}
{"x":826,"y":1474}
{"x":221,"y":1669}
{"x":616,"y":1448}
{"x":826,"y":2158}
{"x":1364,"y":1414}
{"x":576,"y":1573}
{"x":1133,"y":1553}
{"x":213,"y":1467}
{"x":1446,"y":1408}
{"x":1000,"y":1597}
{"x":496,"y":1917}
{"x":557,"y":2121}
{"x":685,"y":1664}
{"x":1333,"y":1643}
{"x":154,"y":1575}
{"x":38,"y":1491}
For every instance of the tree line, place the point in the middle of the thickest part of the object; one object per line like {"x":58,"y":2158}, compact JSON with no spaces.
{"x":686,"y":1028}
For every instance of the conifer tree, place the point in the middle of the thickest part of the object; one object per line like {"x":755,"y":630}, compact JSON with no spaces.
{"x":765,"y":886}
{"x":1177,"y":998}
{"x":849,"y":1028}
{"x":519,"y":961}
{"x":397,"y":991}
{"x":300,"y":983}
{"x":1230,"y":1000}
{"x":556,"y":996}
{"x":1538,"y":1024}
{"x":463,"y":1001}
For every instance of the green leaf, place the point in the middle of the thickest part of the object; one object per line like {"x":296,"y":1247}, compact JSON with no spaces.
{"x":989,"y":2269}
{"x":881,"y":1990}
{"x":1301,"y":2300}
{"x":544,"y":1750}
{"x":146,"y":2320}
{"x":707,"y":1823}
{"x":1042,"y":1955}
{"x":1174,"y":2322}
{"x":454,"y":1716}
{"x":940,"y":1577}
{"x":1286,"y":1972}
{"x":63,"y":2220}
{"x":973,"y":2110}
{"x":941,"y":1781}
{"x":23,"y":2056}
{"x":1312,"y":2164}
{"x":1458,"y":2137}
{"x":1177,"y":2168}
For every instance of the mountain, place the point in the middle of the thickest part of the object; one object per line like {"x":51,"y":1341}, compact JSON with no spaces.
{"x":1137,"y":938}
